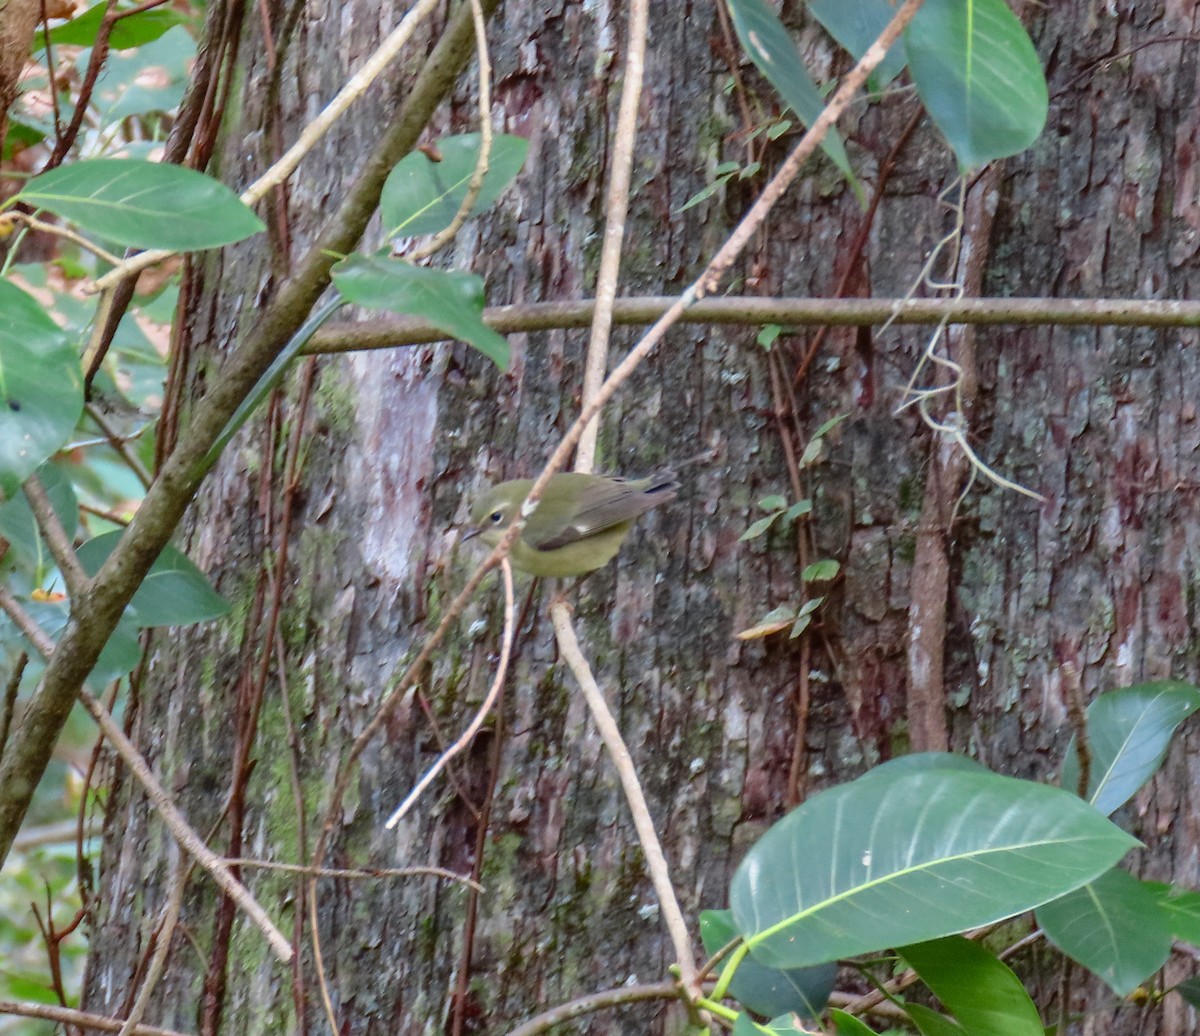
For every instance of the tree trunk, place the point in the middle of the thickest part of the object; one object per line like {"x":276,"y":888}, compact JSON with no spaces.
{"x":339,"y":557}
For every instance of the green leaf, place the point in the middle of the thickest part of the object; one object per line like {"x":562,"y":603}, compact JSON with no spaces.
{"x":1189,"y":989}
{"x":17,"y":524}
{"x":143,"y":204}
{"x":769,"y":46}
{"x":821,"y":571}
{"x":704,"y":193}
{"x":980,"y":991}
{"x":1181,"y":907}
{"x":829,"y":426}
{"x":41,"y":387}
{"x":849,"y":1025}
{"x":451,"y":301}
{"x":134,"y":30}
{"x":978,"y":75}
{"x":775,"y":502}
{"x":759,"y":527}
{"x":1113,"y":926}
{"x":877,"y":863}
{"x":804,"y":616}
{"x":812,"y":452}
{"x":856,"y":24}
{"x":923,"y":762}
{"x":422,"y":196}
{"x":120,"y":654}
{"x":769,"y":991}
{"x":174,"y":593}
{"x":1129,"y":732}
{"x":767,"y":336}
{"x":798,"y":510}
{"x":930,"y":1023}
{"x":785,"y":1025}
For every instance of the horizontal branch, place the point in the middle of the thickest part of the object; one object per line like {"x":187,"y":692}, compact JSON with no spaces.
{"x":387,"y":332}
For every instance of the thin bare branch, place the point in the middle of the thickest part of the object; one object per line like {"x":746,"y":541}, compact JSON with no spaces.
{"x":616,"y":211}
{"x":84,"y":1019}
{"x":483,"y":712}
{"x":656,"y":861}
{"x":61,"y":547}
{"x":162,"y":948}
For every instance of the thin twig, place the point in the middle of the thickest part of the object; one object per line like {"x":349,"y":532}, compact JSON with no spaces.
{"x":364,"y":873}
{"x":120,"y":443}
{"x":446,"y":234}
{"x":85,"y":1019}
{"x":485,"y":709}
{"x":354,"y":87}
{"x":656,"y":861}
{"x":562,"y":1013}
{"x":162,"y":949}
{"x":60,"y":231}
{"x":616,"y":211}
{"x":55,"y":535}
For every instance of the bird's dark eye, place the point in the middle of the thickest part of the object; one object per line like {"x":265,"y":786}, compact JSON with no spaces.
{"x":496,"y":517}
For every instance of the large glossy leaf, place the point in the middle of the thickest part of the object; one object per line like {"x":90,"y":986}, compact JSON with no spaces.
{"x":41,"y":387}
{"x":978,"y":75}
{"x":923,"y":762}
{"x":1181,"y":908}
{"x":143,"y":204}
{"x":1129,"y":732}
{"x":1113,"y":926}
{"x":856,"y":24}
{"x":769,"y":991}
{"x":422,"y":196}
{"x":451,"y":301}
{"x":878,"y":863}
{"x":982,"y":993}
{"x":174,"y":593}
{"x":769,"y":46}
{"x":17,"y":524}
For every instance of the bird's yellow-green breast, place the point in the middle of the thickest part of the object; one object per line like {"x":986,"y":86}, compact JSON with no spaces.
{"x":580,"y":521}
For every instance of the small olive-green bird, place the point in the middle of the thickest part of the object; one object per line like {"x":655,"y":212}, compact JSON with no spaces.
{"x":579,"y":523}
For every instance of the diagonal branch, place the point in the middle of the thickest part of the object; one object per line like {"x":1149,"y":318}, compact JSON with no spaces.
{"x":61,"y":548}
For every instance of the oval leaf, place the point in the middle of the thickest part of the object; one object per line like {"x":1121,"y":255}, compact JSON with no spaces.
{"x":422,"y":196}
{"x":41,"y":387}
{"x":856,"y":24}
{"x":978,"y":75}
{"x":133,"y":30}
{"x":1129,"y":732}
{"x":874,"y":863}
{"x":451,"y":301}
{"x":143,"y":204}
{"x":174,"y":593}
{"x":980,"y":991}
{"x":1114,"y":927}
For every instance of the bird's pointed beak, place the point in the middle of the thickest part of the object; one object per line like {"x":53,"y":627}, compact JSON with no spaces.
{"x":470,"y":534}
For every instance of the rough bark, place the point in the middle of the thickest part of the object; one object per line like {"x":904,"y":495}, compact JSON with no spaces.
{"x":1103,"y":423}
